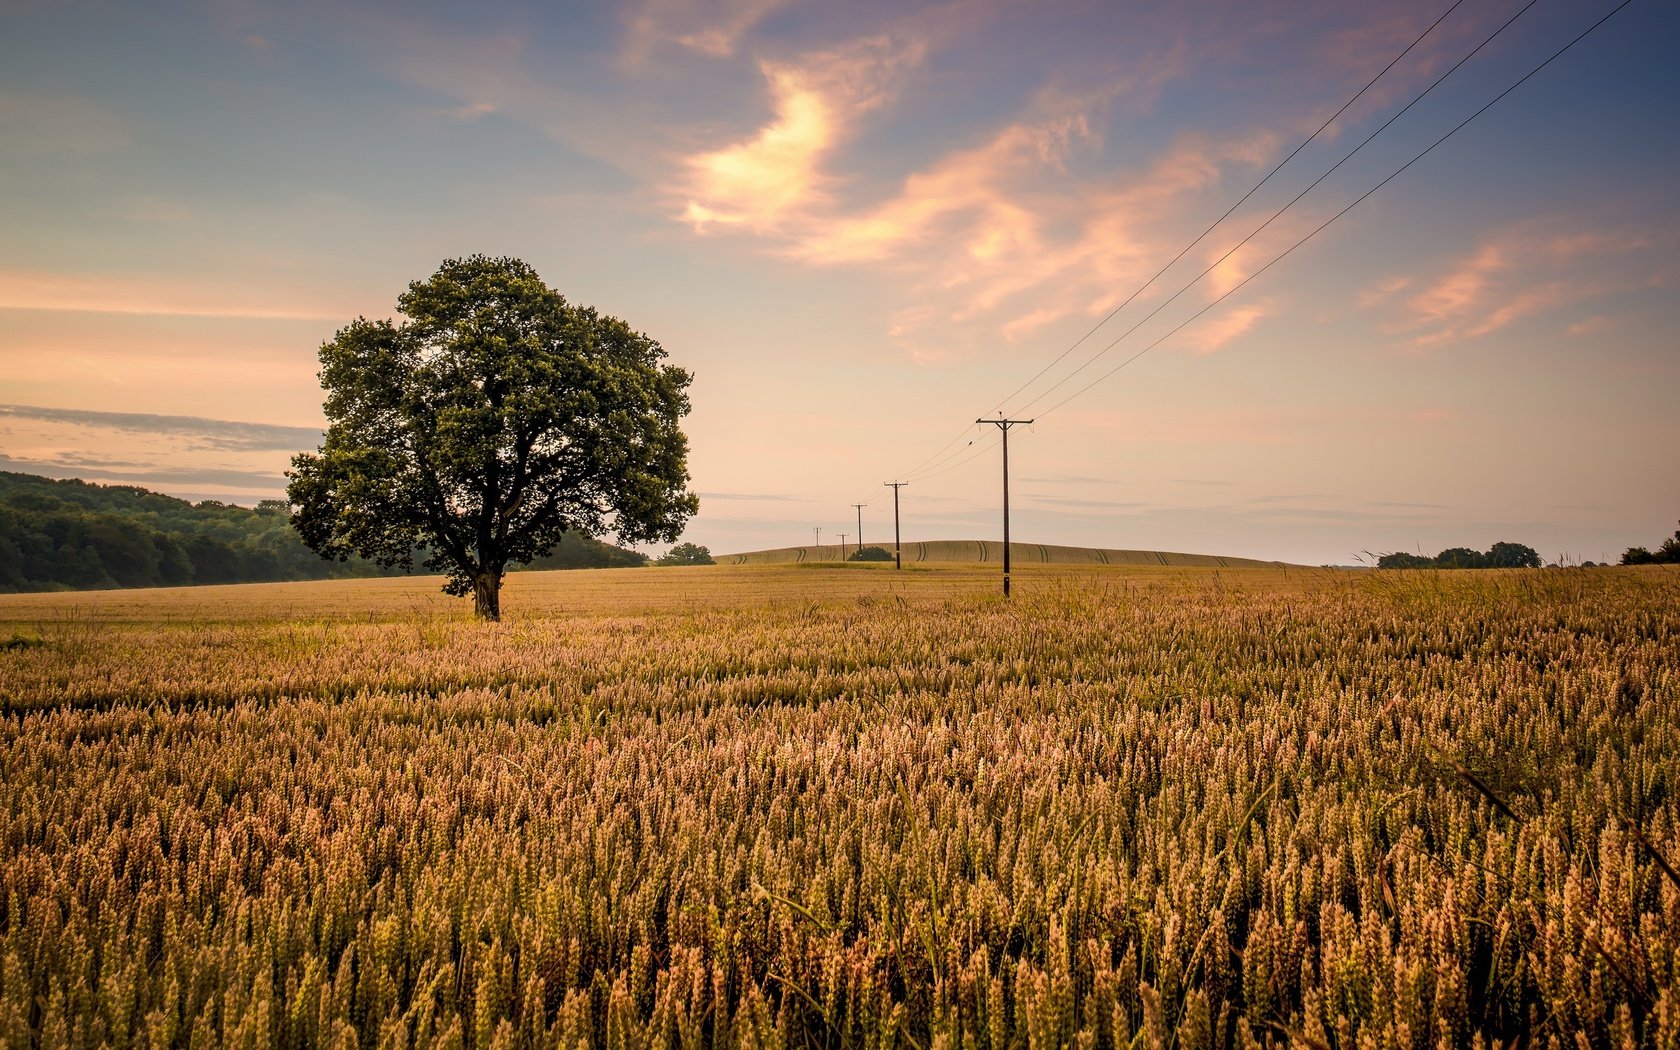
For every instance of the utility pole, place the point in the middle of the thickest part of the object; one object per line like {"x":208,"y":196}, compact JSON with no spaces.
{"x":860,"y":507}
{"x":898,"y":556}
{"x":818,"y":552}
{"x":842,"y":546}
{"x":1004,"y":425}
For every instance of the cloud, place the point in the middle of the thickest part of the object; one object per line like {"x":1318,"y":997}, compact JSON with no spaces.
{"x":711,"y":28}
{"x":212,"y":434}
{"x":1548,"y":266}
{"x":152,"y":478}
{"x":754,"y":497}
{"x":468,"y":113}
{"x":816,"y":101}
{"x":161,"y":296}
{"x":1219,"y":329}
{"x":1589,"y":325}
{"x":1085,"y":504}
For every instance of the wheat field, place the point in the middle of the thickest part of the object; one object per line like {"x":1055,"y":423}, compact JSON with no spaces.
{"x":801,"y":807}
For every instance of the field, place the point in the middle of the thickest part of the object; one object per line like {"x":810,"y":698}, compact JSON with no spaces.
{"x":793,"y":806}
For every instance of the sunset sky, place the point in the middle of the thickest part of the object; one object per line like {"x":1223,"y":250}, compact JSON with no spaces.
{"x":862,"y":225}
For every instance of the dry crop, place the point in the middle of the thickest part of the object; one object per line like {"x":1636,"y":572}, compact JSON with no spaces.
{"x":793,"y":807}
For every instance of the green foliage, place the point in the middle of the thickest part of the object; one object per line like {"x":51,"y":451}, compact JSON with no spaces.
{"x":1500,"y":556}
{"x":687,"y":554}
{"x":1668,"y":553}
{"x":498,"y":419}
{"x":57,"y":535}
{"x":1513,"y":556}
{"x":68,"y":535}
{"x":871,"y":554}
{"x":577,"y":551}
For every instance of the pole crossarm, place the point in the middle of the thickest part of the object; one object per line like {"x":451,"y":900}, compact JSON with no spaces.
{"x":1004,"y":425}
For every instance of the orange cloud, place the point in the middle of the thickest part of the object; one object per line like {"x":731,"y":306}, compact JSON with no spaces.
{"x":710,"y":28}
{"x":1528,"y":270}
{"x":1220,"y":329}
{"x":1462,"y":289}
{"x":778,"y":173}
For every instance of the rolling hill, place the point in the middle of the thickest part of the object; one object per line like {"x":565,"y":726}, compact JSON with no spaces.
{"x":990,"y":552}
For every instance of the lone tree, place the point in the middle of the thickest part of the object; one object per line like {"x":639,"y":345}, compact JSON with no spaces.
{"x":687,"y":554}
{"x":496,"y":419}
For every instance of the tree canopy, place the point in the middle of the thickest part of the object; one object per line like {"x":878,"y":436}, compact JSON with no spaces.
{"x":687,"y":554}
{"x":497,"y":419}
{"x":871,"y":553}
{"x":1667,"y":553}
{"x":1499,"y":556}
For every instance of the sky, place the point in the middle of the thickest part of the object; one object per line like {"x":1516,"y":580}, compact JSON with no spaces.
{"x":862,"y":226}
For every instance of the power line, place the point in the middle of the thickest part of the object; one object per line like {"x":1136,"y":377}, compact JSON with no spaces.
{"x":1279,"y":213}
{"x":1356,"y":201}
{"x":945,"y":452}
{"x":1240,"y":201}
{"x":973,"y":455}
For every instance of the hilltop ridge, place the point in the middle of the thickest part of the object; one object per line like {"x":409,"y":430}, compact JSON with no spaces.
{"x":984,"y":552}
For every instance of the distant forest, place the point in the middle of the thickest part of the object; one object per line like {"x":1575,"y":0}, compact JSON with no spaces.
{"x":1499,"y":556}
{"x":71,"y":535}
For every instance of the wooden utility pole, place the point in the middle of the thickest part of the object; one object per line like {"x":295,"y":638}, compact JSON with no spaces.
{"x":1004,"y":425}
{"x":860,"y":507}
{"x":818,"y":552}
{"x":898,"y":556}
{"x":842,"y":546}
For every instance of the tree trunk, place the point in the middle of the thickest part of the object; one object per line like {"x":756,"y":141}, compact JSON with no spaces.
{"x":487,"y":595}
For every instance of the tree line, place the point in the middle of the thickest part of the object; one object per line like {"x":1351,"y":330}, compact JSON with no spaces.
{"x":1499,"y":556}
{"x":1667,"y":553}
{"x":72,"y":535}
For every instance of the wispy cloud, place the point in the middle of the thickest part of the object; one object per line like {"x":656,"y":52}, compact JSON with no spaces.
{"x":206,"y":434}
{"x":710,"y":27}
{"x":1561,"y":266}
{"x":1221,"y":329}
{"x":755,"y":497}
{"x":779,"y":171}
{"x":162,"y":296}
{"x":251,"y":481}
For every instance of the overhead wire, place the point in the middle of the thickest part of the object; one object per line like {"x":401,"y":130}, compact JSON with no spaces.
{"x":1349,"y":207}
{"x":1228,"y":211}
{"x":1280,"y":211}
{"x":940,"y":455}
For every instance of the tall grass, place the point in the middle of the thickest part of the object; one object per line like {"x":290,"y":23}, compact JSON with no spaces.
{"x":1182,"y":809}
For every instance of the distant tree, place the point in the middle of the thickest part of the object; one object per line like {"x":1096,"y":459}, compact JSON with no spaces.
{"x":1667,"y":553}
{"x":577,"y":551}
{"x":871,"y":554}
{"x":1513,"y":556}
{"x":1461,"y":558}
{"x":1499,"y":556}
{"x":686,"y":554}
{"x":58,"y":534}
{"x":1404,"y":560}
{"x":494,"y":421}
